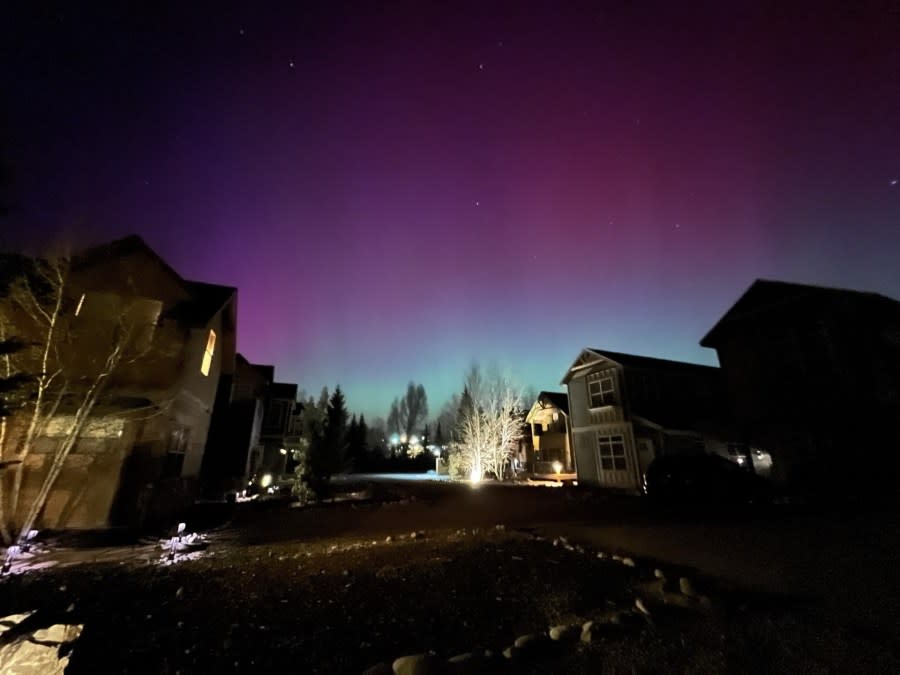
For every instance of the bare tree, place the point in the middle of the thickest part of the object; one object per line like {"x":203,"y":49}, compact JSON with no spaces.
{"x":489,"y":426}
{"x":70,"y":364}
{"x":407,"y":413}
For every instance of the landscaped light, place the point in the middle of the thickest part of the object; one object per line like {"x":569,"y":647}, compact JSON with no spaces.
{"x":413,"y":440}
{"x":266,"y":480}
{"x":395,"y":439}
{"x":403,"y":438}
{"x":475,"y":476}
{"x":557,"y":467}
{"x":283,"y":451}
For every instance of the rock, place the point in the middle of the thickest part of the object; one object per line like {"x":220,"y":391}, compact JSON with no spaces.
{"x":524,"y":640}
{"x":587,"y":636}
{"x":461,"y":658}
{"x":379,"y":669}
{"x":345,"y":573}
{"x":413,"y":535}
{"x":562,"y":632}
{"x":617,"y":558}
{"x":180,"y":592}
{"x":415,"y":664}
{"x":658,"y":573}
{"x":686,"y":587}
{"x":587,"y":625}
{"x":628,"y":562}
{"x":601,"y":555}
{"x":641,"y":607}
{"x":388,"y":539}
{"x":508,"y":652}
{"x":500,"y":527}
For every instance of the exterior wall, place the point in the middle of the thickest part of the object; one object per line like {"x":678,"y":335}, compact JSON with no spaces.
{"x":590,"y":423}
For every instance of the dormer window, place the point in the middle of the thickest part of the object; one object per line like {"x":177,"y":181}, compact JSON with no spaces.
{"x":208,"y":354}
{"x":602,"y":392}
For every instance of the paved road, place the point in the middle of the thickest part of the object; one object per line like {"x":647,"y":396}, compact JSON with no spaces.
{"x":846,"y":563}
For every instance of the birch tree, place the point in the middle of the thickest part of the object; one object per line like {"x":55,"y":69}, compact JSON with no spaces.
{"x":489,"y":426}
{"x":69,"y":365}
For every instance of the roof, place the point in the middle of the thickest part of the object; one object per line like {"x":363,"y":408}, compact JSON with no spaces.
{"x":267,"y":371}
{"x":766,"y":294}
{"x":207,"y":299}
{"x":283,"y":390}
{"x":559,"y":399}
{"x":636,"y":361}
{"x":119,"y":248}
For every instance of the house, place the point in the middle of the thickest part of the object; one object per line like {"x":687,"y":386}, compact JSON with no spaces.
{"x":281,"y":400}
{"x":139,"y":455}
{"x":624,"y":410}
{"x":548,"y":422}
{"x":813,"y":375}
{"x":234,"y":446}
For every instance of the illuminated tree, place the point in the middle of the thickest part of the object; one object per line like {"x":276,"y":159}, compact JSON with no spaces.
{"x":489,"y":426}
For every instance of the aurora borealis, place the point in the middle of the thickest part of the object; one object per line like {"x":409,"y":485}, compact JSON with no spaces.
{"x":398,"y":189}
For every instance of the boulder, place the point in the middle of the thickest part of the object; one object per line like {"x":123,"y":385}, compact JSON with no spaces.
{"x":562,"y":632}
{"x":686,"y":587}
{"x":415,"y":664}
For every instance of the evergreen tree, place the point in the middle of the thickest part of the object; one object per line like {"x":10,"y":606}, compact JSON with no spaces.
{"x":335,"y":437}
{"x":439,"y":435}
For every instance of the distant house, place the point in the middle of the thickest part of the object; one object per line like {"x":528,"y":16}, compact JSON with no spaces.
{"x":548,"y":422}
{"x":281,"y":400}
{"x":234,"y":446}
{"x":140,"y":454}
{"x":813,"y":375}
{"x":624,"y":410}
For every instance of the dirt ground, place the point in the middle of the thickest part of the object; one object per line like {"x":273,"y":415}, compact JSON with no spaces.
{"x":343,"y":605}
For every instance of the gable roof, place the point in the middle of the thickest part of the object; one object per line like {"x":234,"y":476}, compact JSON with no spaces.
{"x":119,"y":248}
{"x":590,"y":356}
{"x":559,"y":399}
{"x":547,"y":399}
{"x":206,"y":300}
{"x":766,"y":294}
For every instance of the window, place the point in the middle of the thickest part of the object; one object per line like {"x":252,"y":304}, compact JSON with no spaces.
{"x":179,"y":439}
{"x":612,"y":453}
{"x":602,"y":392}
{"x":208,"y":355}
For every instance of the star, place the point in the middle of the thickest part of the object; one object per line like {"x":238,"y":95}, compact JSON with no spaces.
{"x":480,"y":66}
{"x":241,"y":31}
{"x":291,"y":64}
{"x":894,"y":181}
{"x":477,"y":203}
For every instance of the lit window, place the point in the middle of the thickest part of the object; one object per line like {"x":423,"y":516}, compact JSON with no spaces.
{"x":602,"y":392}
{"x":612,"y":453}
{"x":80,"y":304}
{"x":208,"y":355}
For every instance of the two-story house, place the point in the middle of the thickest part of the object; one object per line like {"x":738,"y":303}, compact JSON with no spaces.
{"x":551,"y":446}
{"x":624,"y":410}
{"x":281,"y":399}
{"x":139,"y":454}
{"x":813,"y":375}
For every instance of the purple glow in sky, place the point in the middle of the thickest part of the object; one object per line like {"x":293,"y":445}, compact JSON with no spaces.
{"x":399,"y":189}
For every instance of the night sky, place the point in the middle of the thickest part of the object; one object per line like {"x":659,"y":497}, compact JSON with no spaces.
{"x":399,"y":189}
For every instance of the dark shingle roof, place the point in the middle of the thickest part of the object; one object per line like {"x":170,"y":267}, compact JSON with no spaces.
{"x":765,"y":294}
{"x":283,"y":390}
{"x":557,"y":398}
{"x":635,"y":361}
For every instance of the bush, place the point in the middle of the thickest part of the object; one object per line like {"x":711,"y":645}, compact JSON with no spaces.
{"x":457,"y":468}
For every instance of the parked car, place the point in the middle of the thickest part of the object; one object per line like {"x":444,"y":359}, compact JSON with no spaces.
{"x":703,"y":478}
